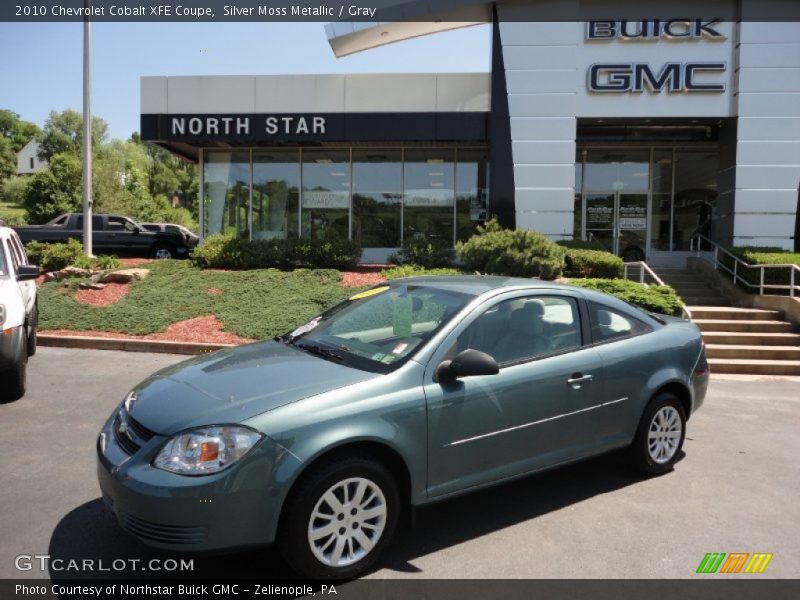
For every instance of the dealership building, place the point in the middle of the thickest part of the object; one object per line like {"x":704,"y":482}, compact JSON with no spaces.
{"x":635,"y":134}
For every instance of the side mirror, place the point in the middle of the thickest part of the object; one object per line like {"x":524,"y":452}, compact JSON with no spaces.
{"x":27,"y":272}
{"x":467,"y":363}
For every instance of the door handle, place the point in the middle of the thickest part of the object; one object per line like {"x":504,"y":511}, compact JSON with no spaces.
{"x":577,"y":379}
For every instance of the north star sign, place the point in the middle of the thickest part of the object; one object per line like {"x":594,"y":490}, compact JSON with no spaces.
{"x":637,"y":77}
{"x":243,"y":125}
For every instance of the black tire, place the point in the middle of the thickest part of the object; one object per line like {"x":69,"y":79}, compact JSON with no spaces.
{"x":33,"y":326}
{"x":12,"y":382}
{"x":161,"y":250}
{"x":293,"y":535}
{"x":644,"y":452}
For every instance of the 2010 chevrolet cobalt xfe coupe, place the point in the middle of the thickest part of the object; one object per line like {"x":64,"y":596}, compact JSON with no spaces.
{"x":402,"y":395}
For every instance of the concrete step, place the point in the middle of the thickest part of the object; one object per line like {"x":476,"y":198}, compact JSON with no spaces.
{"x":705,"y":300}
{"x":736,"y":325}
{"x":754,"y":366}
{"x":701,"y":287}
{"x":740,"y":351}
{"x":677,"y":279}
{"x":734,"y":313}
{"x":750,"y":339}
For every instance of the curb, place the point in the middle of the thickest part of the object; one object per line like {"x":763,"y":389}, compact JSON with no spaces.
{"x":127,"y":345}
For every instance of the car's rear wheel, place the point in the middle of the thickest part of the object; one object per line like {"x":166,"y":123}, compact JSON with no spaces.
{"x":660,"y":436}
{"x":13,"y":381}
{"x":339,"y":519}
{"x":163,"y":252}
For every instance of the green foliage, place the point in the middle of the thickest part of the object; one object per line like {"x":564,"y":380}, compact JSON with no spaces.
{"x":63,"y":133}
{"x":424,"y":252}
{"x":417,"y":271}
{"x":660,"y":299}
{"x":228,"y":252}
{"x":56,"y":190}
{"x":255,"y":304}
{"x":593,"y":245}
{"x":52,"y":257}
{"x":14,"y":134}
{"x":514,"y":252}
{"x":12,"y":195}
{"x":105,"y":262}
{"x":581,"y":262}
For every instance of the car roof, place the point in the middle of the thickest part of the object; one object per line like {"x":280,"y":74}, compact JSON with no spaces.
{"x":478,"y":284}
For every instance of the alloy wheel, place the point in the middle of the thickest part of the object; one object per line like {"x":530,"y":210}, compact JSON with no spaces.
{"x":664,"y":435}
{"x":347,"y":522}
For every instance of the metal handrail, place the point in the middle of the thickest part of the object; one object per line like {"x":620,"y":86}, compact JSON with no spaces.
{"x":738,"y":263}
{"x":644,"y":269}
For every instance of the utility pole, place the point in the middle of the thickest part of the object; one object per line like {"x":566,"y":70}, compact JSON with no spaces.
{"x":87,"y":130}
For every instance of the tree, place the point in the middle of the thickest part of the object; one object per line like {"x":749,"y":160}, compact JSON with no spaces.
{"x":55,"y":190}
{"x":63,"y":133}
{"x":14,"y":134}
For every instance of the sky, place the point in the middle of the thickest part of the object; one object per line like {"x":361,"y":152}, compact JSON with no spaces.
{"x":42,"y":62}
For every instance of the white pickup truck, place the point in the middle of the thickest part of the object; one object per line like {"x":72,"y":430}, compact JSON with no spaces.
{"x":19,"y":314}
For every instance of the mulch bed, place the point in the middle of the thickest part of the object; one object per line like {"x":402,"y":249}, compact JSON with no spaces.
{"x":205,"y":330}
{"x":134,"y":262}
{"x":360,"y":278}
{"x":105,"y":297}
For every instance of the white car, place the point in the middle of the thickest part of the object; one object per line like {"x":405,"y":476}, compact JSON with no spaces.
{"x":19,"y":314}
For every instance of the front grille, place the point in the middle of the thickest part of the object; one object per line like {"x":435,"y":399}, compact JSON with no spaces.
{"x":129,"y":434}
{"x":166,"y":534}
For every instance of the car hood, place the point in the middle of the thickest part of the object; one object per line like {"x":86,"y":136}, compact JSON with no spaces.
{"x":235,"y":384}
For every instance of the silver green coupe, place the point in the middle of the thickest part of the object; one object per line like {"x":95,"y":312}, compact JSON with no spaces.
{"x":405,"y":394}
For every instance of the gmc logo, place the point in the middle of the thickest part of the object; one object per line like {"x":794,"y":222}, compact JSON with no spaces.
{"x":638,"y":77}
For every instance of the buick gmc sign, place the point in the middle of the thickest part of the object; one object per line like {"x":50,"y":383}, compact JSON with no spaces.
{"x":671,"y":77}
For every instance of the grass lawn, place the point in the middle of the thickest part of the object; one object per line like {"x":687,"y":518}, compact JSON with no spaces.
{"x":253,"y":304}
{"x":11,"y":212}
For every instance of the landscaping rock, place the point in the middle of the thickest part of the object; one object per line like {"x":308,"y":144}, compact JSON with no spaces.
{"x":91,"y":285}
{"x":66,"y":273}
{"x":124,"y":276}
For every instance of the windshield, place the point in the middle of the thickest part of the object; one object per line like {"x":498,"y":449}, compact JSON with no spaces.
{"x":379,"y":329}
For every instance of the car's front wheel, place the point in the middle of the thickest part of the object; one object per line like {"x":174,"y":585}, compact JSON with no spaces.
{"x":660,"y":436}
{"x":339,"y":519}
{"x":13,"y":381}
{"x":163,"y":252}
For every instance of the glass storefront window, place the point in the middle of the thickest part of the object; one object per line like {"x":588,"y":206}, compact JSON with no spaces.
{"x":472,"y":191}
{"x":325,"y":200}
{"x":695,"y":195}
{"x":226,"y":181}
{"x":618,"y":170}
{"x":429,"y":194}
{"x":661,"y":209}
{"x":276,"y":194}
{"x":377,"y":197}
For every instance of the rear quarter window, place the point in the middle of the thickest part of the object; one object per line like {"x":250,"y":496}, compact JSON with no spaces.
{"x":609,"y":324}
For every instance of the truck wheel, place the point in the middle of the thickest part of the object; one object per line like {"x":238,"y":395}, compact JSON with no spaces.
{"x":33,"y":323}
{"x":163,"y":252}
{"x":12,"y":382}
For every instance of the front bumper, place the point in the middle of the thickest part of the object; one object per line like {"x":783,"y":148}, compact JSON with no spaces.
{"x":238,"y":507}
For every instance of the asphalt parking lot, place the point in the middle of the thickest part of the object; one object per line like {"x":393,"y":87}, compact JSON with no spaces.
{"x":735,"y":490}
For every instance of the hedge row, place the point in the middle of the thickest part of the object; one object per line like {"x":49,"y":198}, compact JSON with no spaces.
{"x":660,"y":299}
{"x":228,"y":252}
{"x":53,"y":257}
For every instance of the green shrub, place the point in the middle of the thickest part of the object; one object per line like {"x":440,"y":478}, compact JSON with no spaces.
{"x":416,"y":271}
{"x":228,"y":252}
{"x":594,"y":245}
{"x":424,"y":252}
{"x":514,"y":252}
{"x":660,"y":299}
{"x":52,"y":257}
{"x":581,"y":262}
{"x":105,"y":262}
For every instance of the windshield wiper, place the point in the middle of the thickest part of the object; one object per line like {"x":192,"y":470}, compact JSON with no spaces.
{"x":319,"y":351}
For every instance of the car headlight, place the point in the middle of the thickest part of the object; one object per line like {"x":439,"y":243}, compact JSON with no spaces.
{"x":206,"y":450}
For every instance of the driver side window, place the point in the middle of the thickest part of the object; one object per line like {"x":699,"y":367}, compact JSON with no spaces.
{"x":523,"y":329}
